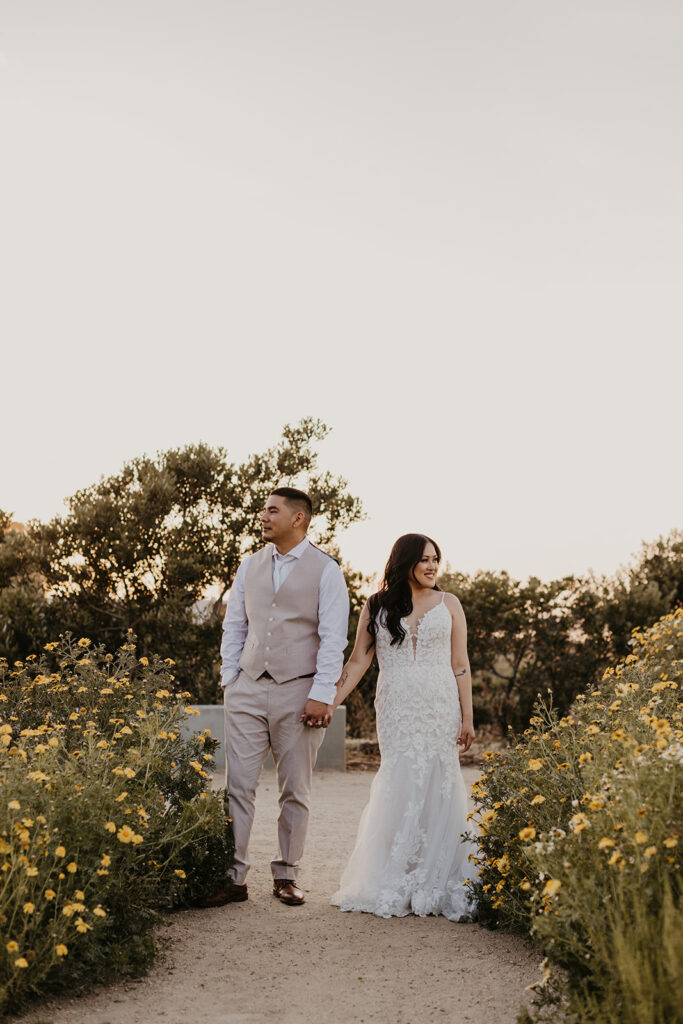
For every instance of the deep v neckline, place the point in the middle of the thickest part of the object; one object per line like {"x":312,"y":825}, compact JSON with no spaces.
{"x":414,"y":634}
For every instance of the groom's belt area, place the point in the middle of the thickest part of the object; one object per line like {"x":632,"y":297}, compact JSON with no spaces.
{"x":267,"y":675}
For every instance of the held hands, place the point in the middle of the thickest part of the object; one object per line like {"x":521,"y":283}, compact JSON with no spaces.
{"x":466,"y":735}
{"x":316,"y":714}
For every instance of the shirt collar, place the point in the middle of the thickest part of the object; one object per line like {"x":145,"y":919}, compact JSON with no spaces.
{"x":296,"y":552}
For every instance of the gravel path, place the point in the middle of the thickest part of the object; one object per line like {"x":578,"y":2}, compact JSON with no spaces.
{"x":260,"y":962}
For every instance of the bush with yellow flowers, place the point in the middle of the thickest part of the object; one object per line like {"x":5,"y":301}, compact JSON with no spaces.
{"x":580,"y":831}
{"x":106,"y":815}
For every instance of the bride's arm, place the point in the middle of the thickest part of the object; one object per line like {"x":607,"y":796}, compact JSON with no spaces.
{"x":461,"y":669}
{"x":358,"y":663}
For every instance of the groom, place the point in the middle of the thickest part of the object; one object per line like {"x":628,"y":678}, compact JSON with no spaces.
{"x":284,"y":636}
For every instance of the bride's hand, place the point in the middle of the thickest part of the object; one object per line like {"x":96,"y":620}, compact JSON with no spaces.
{"x":466,"y":736}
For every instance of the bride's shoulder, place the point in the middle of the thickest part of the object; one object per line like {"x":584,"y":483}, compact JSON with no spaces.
{"x":452,"y":603}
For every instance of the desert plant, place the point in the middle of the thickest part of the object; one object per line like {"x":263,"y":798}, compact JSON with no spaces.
{"x":580,"y":828}
{"x":106,"y":816}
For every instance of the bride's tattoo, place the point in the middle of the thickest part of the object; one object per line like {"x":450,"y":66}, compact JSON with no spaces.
{"x":464,"y":672}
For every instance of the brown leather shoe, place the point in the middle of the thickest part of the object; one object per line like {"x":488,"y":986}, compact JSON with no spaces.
{"x":233,"y":893}
{"x":288,"y":892}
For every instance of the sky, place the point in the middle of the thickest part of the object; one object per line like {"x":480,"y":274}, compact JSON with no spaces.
{"x":451,"y":230}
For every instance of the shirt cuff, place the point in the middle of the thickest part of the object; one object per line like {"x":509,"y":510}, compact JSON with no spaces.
{"x":324,"y":692}
{"x":225,"y":682}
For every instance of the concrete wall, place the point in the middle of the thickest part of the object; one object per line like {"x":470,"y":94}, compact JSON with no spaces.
{"x":331,"y":754}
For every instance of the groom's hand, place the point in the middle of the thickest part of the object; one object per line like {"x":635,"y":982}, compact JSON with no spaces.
{"x":316,"y":714}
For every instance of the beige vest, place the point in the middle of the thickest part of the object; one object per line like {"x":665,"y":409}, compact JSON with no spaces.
{"x":283,"y":635}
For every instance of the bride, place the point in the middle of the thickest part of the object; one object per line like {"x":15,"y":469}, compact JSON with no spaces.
{"x":409,"y":856}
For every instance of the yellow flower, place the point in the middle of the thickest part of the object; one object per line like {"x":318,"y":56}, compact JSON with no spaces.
{"x":525,"y":886}
{"x":551,"y":887}
{"x":61,"y":949}
{"x":527,"y":833}
{"x":50,"y":647}
{"x":110,"y":826}
{"x":125,"y":834}
{"x":60,"y":852}
{"x":538,"y":799}
{"x":592,"y":730}
{"x":79,"y":894}
{"x":14,"y":805}
{"x":68,"y":910}
{"x":669,"y":843}
{"x":81,"y":926}
{"x":31,"y":872}
{"x":615,"y":858}
{"x":605,"y":843}
{"x":50,"y":894}
{"x":535,"y":764}
{"x":99,"y":912}
{"x":486,"y":819}
{"x":84,"y":642}
{"x":21,"y":962}
{"x":650,"y":852}
{"x":579,"y":822}
{"x":12,"y":947}
{"x":72,"y":867}
{"x":28,"y":908}
{"x":640,"y":838}
{"x":503,"y":864}
{"x":121,"y":796}
{"x":180,"y":873}
{"x":106,"y":860}
{"x":136,"y":839}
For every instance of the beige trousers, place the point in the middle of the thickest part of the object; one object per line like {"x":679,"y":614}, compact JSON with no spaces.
{"x":262,"y":715}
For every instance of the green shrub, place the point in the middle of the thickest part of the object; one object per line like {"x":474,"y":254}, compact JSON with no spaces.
{"x":105,"y":815}
{"x":580,"y":836}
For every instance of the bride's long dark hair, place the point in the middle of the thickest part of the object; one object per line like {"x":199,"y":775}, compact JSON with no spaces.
{"x":394,"y":597}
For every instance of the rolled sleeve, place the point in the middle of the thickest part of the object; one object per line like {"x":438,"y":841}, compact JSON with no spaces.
{"x":235,"y":629}
{"x":333,"y":625}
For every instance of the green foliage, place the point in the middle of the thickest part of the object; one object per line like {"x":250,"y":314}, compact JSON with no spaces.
{"x":581,"y":826}
{"x":105,"y":815}
{"x":141,"y":549}
{"x":526,"y":639}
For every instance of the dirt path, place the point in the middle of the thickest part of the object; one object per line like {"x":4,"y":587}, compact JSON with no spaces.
{"x":260,"y":962}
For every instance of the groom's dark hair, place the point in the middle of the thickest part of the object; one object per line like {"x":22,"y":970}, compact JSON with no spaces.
{"x":298,"y":499}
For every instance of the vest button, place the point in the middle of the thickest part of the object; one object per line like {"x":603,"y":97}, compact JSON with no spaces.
{"x":265,"y":662}
{"x":267,"y":648}
{"x":274,"y":605}
{"x":268,"y":634}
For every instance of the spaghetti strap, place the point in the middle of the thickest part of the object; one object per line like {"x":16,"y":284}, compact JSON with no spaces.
{"x":443,"y":597}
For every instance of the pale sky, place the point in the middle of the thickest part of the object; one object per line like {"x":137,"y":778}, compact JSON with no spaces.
{"x":452,"y":230}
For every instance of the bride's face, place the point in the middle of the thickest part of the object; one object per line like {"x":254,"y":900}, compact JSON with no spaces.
{"x":427,"y":569}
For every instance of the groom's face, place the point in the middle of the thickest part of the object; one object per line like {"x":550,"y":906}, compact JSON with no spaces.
{"x":278,"y":519}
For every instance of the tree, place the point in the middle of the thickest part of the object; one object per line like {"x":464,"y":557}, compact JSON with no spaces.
{"x":526,"y":638}
{"x":644,"y":590}
{"x":24,"y":610}
{"x":141,"y":549}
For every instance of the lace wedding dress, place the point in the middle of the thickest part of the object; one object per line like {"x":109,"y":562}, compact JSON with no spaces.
{"x":409,"y":856}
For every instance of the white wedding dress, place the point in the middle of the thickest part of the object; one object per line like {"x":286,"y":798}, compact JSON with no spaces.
{"x":409,"y":856}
